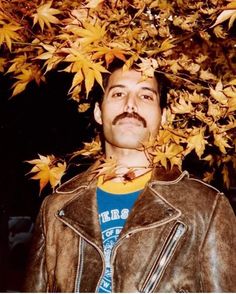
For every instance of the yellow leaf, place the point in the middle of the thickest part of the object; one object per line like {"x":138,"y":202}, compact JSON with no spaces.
{"x":56,"y":173}
{"x":225,"y":15}
{"x":215,"y":110}
{"x":23,"y":79}
{"x":109,"y":53}
{"x":93,"y":3}
{"x":167,"y":44}
{"x":8,"y":34}
{"x":219,"y":32}
{"x":17,"y":64}
{"x":207,"y":75}
{"x":107,"y":168}
{"x":232,"y":4}
{"x":91,"y":71}
{"x":208,"y":176}
{"x":148,"y":66}
{"x":171,"y":152}
{"x":2,"y":64}
{"x":182,"y":106}
{"x":167,"y":135}
{"x":83,"y":107}
{"x":45,"y":15}
{"x":91,"y":148}
{"x":77,"y":79}
{"x":91,"y":33}
{"x":196,"y":141}
{"x":232,"y":82}
{"x":47,"y":169}
{"x":43,"y":176}
{"x":221,"y":141}
{"x":218,"y":94}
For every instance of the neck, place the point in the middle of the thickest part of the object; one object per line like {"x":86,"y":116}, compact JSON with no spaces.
{"x":128,"y":158}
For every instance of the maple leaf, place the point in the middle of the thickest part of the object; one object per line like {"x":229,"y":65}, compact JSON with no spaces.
{"x":215,"y":110}
{"x":229,"y":14}
{"x":45,"y":15}
{"x":171,"y":152}
{"x":167,"y":135}
{"x":196,"y":141}
{"x":148,"y":66}
{"x":56,"y":174}
{"x":8,"y":34}
{"x":2,"y":64}
{"x":17,"y":64}
{"x":206,"y":75}
{"x":91,"y":148}
{"x":23,"y":79}
{"x":91,"y":33}
{"x":107,"y":168}
{"x":93,"y":3}
{"x":218,"y":94}
{"x":221,"y":141}
{"x":109,"y":53}
{"x":166,"y":45}
{"x":47,"y":169}
{"x":219,"y":32}
{"x":182,"y":106}
{"x":83,"y":107}
{"x":86,"y":69}
{"x":209,"y":176}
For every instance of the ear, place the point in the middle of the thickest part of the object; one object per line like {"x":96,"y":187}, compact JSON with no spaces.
{"x":163,"y":117}
{"x":97,"y":114}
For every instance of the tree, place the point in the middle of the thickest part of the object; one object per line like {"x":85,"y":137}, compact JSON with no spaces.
{"x":191,"y":42}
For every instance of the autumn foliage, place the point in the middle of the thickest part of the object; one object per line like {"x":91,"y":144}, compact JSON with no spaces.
{"x":192,"y":42}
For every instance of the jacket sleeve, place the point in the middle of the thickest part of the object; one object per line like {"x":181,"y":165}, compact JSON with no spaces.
{"x":36,"y":274}
{"x":218,"y":253}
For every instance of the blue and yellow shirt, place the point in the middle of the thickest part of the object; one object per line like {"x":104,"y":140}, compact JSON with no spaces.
{"x":115,"y":200}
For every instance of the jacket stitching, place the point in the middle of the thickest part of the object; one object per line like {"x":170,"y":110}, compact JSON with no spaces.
{"x":205,"y":237}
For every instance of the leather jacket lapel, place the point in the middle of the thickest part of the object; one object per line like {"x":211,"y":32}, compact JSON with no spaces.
{"x":150,"y":210}
{"x":82,"y":216}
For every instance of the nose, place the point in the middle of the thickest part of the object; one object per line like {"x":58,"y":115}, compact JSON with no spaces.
{"x":130,"y":103}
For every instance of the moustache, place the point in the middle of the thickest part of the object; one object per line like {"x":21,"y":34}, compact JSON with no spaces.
{"x":134,"y":115}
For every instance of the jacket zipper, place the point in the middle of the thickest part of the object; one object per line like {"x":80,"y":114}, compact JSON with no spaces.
{"x":81,"y":264}
{"x":167,"y":251}
{"x":94,"y":245}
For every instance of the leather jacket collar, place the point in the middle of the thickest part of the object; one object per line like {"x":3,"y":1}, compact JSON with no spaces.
{"x":84,"y":204}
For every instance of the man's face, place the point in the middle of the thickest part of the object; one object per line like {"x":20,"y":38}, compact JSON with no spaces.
{"x":130,"y":111}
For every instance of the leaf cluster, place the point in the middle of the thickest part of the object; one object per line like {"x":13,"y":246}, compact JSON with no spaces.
{"x":191,"y":42}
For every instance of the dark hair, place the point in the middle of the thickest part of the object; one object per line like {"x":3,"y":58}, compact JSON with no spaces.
{"x":97,"y":92}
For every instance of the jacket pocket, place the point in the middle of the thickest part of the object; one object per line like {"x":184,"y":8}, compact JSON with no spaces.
{"x":163,"y":259}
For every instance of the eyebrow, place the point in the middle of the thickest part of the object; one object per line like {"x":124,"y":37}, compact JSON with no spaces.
{"x":123,"y":86}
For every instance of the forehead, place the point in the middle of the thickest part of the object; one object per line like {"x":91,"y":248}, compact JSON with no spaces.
{"x":130,"y":78}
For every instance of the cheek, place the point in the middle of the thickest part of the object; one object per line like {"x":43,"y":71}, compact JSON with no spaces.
{"x":109,"y":113}
{"x":154,"y":118}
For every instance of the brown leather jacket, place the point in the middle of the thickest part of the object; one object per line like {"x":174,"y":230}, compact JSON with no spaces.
{"x":179,"y":237}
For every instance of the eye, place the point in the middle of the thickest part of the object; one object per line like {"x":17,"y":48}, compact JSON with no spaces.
{"x":118,"y":94}
{"x":146,"y":97}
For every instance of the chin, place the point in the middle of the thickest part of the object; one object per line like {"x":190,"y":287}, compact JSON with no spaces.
{"x":126,"y":143}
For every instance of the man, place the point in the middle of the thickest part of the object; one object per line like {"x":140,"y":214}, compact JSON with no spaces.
{"x":161,"y":232}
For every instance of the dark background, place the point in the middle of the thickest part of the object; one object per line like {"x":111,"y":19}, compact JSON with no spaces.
{"x":41,"y":120}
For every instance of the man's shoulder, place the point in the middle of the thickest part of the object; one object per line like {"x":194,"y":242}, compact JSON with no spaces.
{"x":68,"y":190}
{"x":188,"y":190}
